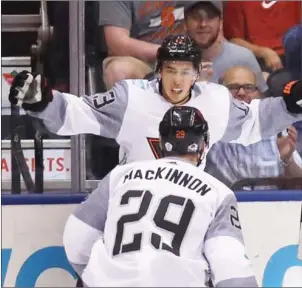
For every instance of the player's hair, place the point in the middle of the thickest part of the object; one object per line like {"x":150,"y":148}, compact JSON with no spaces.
{"x":183,"y":130}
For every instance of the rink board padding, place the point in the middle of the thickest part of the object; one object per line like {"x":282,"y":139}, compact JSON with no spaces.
{"x":33,"y":225}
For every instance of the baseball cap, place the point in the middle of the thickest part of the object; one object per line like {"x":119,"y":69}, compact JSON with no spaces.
{"x":277,"y":80}
{"x":215,"y":6}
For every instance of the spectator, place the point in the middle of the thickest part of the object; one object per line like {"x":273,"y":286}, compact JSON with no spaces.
{"x":133,"y":31}
{"x":292,"y":42}
{"x":204,"y":23}
{"x":274,"y":157}
{"x":259,"y":26}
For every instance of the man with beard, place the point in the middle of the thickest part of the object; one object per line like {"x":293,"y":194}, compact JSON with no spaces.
{"x":133,"y":32}
{"x":204,"y":24}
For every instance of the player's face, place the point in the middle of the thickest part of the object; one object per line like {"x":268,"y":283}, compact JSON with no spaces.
{"x":204,"y":27}
{"x":242,"y":84}
{"x":177,"y":79}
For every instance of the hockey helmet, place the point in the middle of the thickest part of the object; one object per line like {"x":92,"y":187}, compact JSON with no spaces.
{"x":183,"y":130}
{"x":178,"y":48}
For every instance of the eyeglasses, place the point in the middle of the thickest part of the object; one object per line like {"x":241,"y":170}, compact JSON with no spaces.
{"x":248,"y":88}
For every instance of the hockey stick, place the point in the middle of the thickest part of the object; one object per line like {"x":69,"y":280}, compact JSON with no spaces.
{"x":37,"y":67}
{"x":19,"y":164}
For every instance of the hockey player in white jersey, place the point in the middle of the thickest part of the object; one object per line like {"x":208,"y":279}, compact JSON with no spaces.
{"x":161,"y":223}
{"x":131,"y":111}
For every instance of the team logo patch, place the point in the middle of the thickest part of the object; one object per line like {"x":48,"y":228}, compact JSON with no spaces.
{"x":154,"y":145}
{"x":140,"y":83}
{"x":193,"y":148}
{"x":168,"y":146}
{"x":242,"y":106}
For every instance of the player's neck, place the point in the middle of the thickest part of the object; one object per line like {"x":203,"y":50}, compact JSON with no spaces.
{"x":192,"y":158}
{"x":178,"y":102}
{"x":189,"y":158}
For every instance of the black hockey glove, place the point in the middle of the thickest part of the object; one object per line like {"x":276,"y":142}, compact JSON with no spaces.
{"x":292,"y":95}
{"x":30,"y":92}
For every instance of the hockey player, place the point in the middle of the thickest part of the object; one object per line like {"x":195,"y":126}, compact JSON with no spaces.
{"x":161,"y":222}
{"x":131,"y":111}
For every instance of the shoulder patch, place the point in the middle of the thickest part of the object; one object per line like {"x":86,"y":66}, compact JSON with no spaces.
{"x":241,"y":105}
{"x":140,"y":83}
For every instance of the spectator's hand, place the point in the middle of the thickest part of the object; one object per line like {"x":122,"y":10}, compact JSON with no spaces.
{"x":287,"y":144}
{"x":206,"y":71}
{"x":271,"y":58}
{"x":27,"y":91}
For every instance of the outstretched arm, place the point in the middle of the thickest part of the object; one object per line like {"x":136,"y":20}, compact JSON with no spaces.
{"x":66,"y":114}
{"x":264,"y":118}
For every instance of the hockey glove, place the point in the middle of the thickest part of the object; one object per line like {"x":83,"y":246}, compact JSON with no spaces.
{"x":28,"y":91}
{"x":292,"y":95}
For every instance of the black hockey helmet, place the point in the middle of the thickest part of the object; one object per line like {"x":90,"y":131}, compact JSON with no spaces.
{"x":183,"y":130}
{"x":178,"y":48}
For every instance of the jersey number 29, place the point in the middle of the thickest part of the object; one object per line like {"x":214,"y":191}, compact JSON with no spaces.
{"x":179,"y":229}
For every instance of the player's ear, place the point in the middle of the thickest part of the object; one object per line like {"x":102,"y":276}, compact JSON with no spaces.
{"x":196,"y":76}
{"x":159,"y":74}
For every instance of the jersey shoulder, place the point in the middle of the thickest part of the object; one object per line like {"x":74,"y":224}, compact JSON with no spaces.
{"x":193,"y":170}
{"x":211,"y":87}
{"x":220,"y":188}
{"x":139,"y":83}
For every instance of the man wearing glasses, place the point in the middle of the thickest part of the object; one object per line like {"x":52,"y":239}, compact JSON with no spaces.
{"x":272,"y":157}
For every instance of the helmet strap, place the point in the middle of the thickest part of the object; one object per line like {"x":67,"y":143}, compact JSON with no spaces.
{"x":201,"y":155}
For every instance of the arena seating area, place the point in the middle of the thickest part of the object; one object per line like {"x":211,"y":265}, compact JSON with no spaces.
{"x":101,"y":153}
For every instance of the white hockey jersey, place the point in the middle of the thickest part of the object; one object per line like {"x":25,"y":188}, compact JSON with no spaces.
{"x":132,"y":110}
{"x":158,"y":223}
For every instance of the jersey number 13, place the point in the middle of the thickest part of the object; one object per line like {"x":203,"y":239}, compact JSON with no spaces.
{"x":179,"y":229}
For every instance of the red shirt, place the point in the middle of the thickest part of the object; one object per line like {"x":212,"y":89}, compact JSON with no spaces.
{"x":262,"y":23}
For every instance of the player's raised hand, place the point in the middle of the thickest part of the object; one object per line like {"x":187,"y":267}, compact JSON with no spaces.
{"x":29,"y":92}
